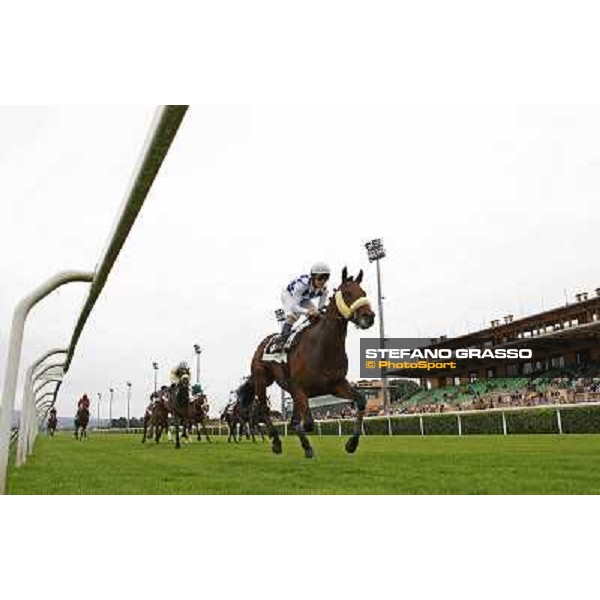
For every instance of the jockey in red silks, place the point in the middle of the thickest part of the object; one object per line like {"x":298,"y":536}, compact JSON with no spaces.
{"x":84,"y":402}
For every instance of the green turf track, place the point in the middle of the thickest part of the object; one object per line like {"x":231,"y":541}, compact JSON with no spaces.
{"x":120,"y":464}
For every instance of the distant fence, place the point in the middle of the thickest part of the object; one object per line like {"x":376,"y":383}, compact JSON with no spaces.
{"x":561,"y":419}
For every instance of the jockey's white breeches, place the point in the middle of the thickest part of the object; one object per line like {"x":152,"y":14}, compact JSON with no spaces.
{"x":293,"y":308}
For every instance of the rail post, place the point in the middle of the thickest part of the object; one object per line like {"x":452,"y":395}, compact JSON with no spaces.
{"x":421,"y":425}
{"x":28,"y":398}
{"x":559,"y":421}
{"x":389,"y":425}
{"x":339,"y":428}
{"x":13,"y":359}
{"x":32,"y":428}
{"x":459,"y":423}
{"x":504,"y":428}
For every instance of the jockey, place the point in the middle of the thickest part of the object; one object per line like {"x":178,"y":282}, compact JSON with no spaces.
{"x":296,"y":297}
{"x":84,"y":402}
{"x":178,"y":372}
{"x":53,"y":411}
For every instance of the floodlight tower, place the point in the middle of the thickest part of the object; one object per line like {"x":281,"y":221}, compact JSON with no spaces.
{"x":376,"y":252}
{"x":128,"y":402}
{"x":198,"y":351}
{"x":98,"y":417}
{"x":110,"y":403}
{"x":155,"y":367}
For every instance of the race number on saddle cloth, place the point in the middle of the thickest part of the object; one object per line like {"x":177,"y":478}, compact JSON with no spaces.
{"x":277,"y":348}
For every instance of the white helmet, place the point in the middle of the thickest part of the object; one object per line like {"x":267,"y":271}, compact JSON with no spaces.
{"x":320,"y":268}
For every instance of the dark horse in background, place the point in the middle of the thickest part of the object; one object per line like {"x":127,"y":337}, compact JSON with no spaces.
{"x":316,"y":365}
{"x":52,"y":423}
{"x":180,"y":406}
{"x":82,"y":418}
{"x":242,"y":413}
{"x":249,"y":412}
{"x":231,"y":416}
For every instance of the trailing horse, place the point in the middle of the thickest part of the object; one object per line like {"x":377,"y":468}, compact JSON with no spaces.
{"x":156,"y":419}
{"x":52,"y":424}
{"x":82,"y":418}
{"x":198,"y":416}
{"x":316,"y":365}
{"x":249,"y":413}
{"x":231,"y":416}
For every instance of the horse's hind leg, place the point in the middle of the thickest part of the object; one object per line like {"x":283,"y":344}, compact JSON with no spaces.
{"x":345,"y":390}
{"x":298,"y":416}
{"x":261,"y":383}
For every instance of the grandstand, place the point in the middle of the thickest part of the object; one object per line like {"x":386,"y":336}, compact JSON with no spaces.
{"x":565,"y":366}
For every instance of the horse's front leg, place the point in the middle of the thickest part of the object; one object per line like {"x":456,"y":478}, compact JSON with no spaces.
{"x":299,"y":415}
{"x":176,"y":423}
{"x":345,"y":390}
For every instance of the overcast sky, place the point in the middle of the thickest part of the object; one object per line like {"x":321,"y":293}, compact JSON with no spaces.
{"x":484,"y":211}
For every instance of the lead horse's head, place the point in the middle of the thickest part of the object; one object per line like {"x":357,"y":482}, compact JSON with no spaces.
{"x":351,"y":301}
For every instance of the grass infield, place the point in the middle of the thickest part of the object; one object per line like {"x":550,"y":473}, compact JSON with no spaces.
{"x":120,"y":464}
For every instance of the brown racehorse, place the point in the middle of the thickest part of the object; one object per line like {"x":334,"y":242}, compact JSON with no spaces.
{"x":316,"y":365}
{"x":198,"y":415}
{"x":156,"y":418}
{"x":81,"y":422}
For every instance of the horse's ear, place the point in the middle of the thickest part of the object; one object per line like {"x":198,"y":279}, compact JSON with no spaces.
{"x":344,"y":274}
{"x":359,"y":277}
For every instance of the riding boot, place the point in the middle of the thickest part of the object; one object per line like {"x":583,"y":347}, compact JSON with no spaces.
{"x":286,"y":330}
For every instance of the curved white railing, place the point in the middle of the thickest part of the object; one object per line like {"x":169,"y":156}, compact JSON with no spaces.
{"x":158,"y":142}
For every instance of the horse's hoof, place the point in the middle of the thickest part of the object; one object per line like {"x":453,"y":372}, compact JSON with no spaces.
{"x":309,"y":453}
{"x":352,"y":444}
{"x":276,"y":447}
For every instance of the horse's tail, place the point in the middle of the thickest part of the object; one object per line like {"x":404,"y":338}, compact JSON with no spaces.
{"x":246,"y":392}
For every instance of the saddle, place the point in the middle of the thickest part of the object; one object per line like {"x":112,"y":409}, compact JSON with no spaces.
{"x":277,"y":348}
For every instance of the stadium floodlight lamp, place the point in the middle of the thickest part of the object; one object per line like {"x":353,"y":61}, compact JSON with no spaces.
{"x":155,"y":366}
{"x":375,"y":249}
{"x":280,"y":314}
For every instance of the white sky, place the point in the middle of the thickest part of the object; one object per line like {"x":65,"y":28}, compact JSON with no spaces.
{"x":484,"y":210}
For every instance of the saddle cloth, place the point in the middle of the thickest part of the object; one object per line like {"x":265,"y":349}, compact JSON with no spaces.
{"x":274,"y":353}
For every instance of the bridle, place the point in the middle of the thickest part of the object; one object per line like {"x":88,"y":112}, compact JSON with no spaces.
{"x":348,"y":311}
